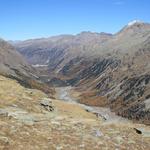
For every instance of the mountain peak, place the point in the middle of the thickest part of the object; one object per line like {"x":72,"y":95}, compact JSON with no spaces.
{"x":134,"y":27}
{"x":134,"y":22}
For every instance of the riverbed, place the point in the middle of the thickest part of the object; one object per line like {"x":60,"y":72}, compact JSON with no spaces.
{"x":64,"y":93}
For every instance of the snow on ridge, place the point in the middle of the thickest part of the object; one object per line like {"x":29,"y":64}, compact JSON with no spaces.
{"x":134,"y":22}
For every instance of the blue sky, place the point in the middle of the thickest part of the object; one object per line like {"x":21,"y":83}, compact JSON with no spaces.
{"x":24,"y":19}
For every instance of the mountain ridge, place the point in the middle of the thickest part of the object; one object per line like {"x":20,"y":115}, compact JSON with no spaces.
{"x":114,"y":67}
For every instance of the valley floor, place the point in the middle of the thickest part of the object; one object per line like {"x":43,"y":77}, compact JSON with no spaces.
{"x":68,"y":94}
{"x":28,"y":121}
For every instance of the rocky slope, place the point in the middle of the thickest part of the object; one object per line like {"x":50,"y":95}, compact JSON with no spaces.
{"x":111,"y":70}
{"x":30,"y":120}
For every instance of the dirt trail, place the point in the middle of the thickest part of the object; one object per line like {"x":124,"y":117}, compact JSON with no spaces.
{"x":64,"y":93}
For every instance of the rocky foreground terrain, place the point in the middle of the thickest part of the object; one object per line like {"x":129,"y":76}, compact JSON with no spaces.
{"x":29,"y":119}
{"x":110,"y":70}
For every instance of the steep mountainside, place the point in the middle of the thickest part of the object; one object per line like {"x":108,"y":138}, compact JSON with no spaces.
{"x":112,"y":70}
{"x":13,"y":65}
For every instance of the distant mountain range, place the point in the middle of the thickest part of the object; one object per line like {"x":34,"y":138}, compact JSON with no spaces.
{"x":115,"y":67}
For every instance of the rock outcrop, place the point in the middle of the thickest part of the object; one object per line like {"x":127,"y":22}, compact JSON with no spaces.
{"x":47,"y":104}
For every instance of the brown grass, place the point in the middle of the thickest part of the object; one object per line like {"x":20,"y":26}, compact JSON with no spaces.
{"x":91,"y":98}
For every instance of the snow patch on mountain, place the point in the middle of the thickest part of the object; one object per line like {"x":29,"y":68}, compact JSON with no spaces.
{"x":134,"y":22}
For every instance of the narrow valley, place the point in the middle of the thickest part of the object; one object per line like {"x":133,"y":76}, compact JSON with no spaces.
{"x":75,"y":75}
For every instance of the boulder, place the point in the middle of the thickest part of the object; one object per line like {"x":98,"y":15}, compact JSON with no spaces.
{"x":47,"y":104}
